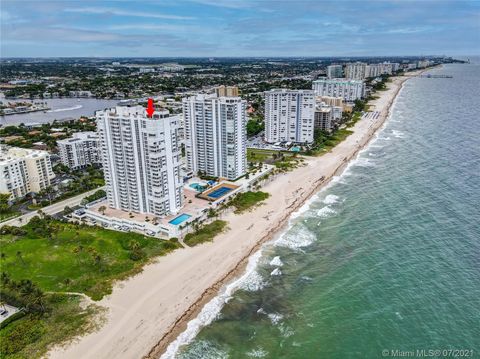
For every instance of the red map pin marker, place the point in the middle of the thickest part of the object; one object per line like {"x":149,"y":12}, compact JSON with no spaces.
{"x":150,"y":108}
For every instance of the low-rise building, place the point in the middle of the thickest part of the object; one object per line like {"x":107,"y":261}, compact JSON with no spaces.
{"x":80,"y":94}
{"x":23,"y":171}
{"x":80,"y":150}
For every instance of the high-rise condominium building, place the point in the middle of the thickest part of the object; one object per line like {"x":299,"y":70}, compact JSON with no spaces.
{"x":323,"y":118}
{"x":355,"y":71}
{"x":334,"y":71}
{"x":141,"y":160}
{"x":23,"y":171}
{"x":349,"y":90}
{"x":327,"y":116}
{"x":374,"y":70}
{"x":80,"y":150}
{"x":289,"y":115}
{"x":215,"y":135}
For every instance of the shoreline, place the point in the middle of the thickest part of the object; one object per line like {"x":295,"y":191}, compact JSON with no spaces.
{"x":148,"y":312}
{"x":181,"y":324}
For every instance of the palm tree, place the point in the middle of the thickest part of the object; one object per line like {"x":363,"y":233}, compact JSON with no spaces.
{"x":26,"y":287}
{"x":37,"y":298}
{"x":134,"y":245}
{"x":5,"y":278}
{"x":48,"y":192}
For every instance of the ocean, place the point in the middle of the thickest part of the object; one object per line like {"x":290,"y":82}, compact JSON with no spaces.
{"x":385,"y":259}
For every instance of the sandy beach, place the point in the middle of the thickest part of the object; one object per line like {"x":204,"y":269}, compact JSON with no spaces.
{"x":146,"y":312}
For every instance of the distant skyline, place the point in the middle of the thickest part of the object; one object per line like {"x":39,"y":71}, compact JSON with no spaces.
{"x":237,"y":28}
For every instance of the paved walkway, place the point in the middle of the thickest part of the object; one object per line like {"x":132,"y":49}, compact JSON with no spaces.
{"x":52,"y":209}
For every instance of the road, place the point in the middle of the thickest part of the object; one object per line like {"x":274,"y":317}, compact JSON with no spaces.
{"x":52,"y":209}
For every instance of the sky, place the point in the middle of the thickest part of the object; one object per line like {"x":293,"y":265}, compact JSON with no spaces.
{"x":237,"y":28}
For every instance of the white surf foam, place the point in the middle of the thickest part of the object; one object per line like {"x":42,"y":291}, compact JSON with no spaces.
{"x":206,"y":350}
{"x":364,"y":162}
{"x":325,"y":212}
{"x":257,"y":353}
{"x":253,"y":282}
{"x":276,"y":272}
{"x":398,"y":134}
{"x":300,"y":238}
{"x":286,"y":331}
{"x":276,"y":262}
{"x":305,"y":207}
{"x":331,"y":199}
{"x":211,"y":310}
{"x":275,"y":318}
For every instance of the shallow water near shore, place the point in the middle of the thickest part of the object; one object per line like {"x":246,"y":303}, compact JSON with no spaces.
{"x":387,"y":257}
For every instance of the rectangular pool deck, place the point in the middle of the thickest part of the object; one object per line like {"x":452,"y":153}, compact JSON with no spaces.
{"x":219,"y":191}
{"x":180,"y":219}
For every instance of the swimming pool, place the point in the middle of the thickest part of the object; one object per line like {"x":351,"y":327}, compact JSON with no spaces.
{"x":219,"y":192}
{"x":197,"y":187}
{"x":181,"y":218}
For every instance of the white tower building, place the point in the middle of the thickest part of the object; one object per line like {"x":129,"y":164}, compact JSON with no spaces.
{"x":24,"y":170}
{"x":289,"y":115}
{"x":355,"y":71}
{"x":349,"y":90}
{"x":80,"y":150}
{"x":215,"y":135}
{"x":334,"y":71}
{"x":141,"y":160}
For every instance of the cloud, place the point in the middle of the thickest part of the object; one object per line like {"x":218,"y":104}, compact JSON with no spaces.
{"x":230,"y":4}
{"x":121,"y":12}
{"x":9,"y":18}
{"x":239,"y":27}
{"x":411,"y":30}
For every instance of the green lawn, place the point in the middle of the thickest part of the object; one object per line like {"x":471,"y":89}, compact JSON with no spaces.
{"x":31,"y":335}
{"x":248,"y":200}
{"x":283,"y":160}
{"x":355,"y":118}
{"x":77,"y":258}
{"x":259,"y":155}
{"x":206,"y":234}
{"x":63,"y":257}
{"x":8,"y":215}
{"x":325,"y":142}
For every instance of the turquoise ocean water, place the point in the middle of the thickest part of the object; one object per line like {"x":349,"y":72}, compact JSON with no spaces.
{"x":386,"y":258}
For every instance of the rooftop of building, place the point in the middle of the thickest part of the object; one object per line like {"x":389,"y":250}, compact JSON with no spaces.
{"x":10,"y":154}
{"x":136,"y":111}
{"x":342,"y":81}
{"x":80,"y":136}
{"x":283,"y":90}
